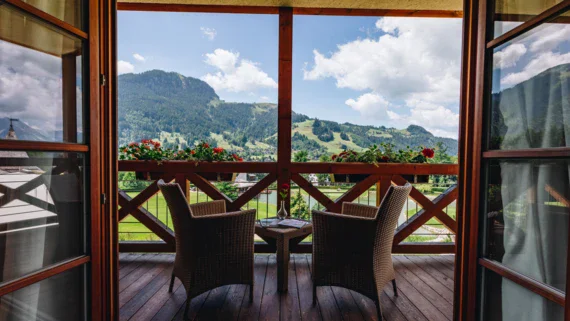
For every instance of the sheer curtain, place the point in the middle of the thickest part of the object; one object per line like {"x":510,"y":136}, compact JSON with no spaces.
{"x":534,"y":193}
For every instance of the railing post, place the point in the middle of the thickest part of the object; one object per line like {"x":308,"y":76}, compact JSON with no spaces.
{"x":382,"y":188}
{"x":284,"y":109}
{"x":181,"y":180}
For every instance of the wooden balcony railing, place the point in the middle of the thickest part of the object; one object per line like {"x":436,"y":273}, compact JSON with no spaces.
{"x":380,"y":177}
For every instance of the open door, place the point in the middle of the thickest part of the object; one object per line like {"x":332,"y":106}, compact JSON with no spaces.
{"x":515,"y":170}
{"x":52,"y":232}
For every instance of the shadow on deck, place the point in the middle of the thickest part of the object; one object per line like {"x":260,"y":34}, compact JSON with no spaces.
{"x":425,"y":286}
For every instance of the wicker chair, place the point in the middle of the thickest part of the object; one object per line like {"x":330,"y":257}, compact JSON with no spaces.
{"x":353,"y":249}
{"x":213,"y":248}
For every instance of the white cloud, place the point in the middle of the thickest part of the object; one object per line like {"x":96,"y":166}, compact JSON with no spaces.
{"x":31,"y":87}
{"x":549,"y":36}
{"x":509,"y":56}
{"x":235,"y":74}
{"x":124,"y":67}
{"x":539,"y":64}
{"x":264,"y":98}
{"x":139,"y":57}
{"x":370,"y":104}
{"x":437,"y":119}
{"x":210,"y":33}
{"x":417,"y":58}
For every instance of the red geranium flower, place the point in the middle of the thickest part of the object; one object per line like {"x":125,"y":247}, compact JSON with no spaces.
{"x":206,"y":145}
{"x":192,"y":152}
{"x":235,"y":157}
{"x":240,"y":159}
{"x":156,"y":144}
{"x":385,"y":158}
{"x":145,"y":141}
{"x":285,"y":186}
{"x":218,"y":150}
{"x":125,"y":150}
{"x":334,"y":157}
{"x":132,"y":144}
{"x":342,"y":154}
{"x":428,"y":152}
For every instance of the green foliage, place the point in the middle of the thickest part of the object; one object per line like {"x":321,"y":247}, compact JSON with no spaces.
{"x":344,"y":136}
{"x":301,"y":156}
{"x":228,"y":189}
{"x":385,"y":153}
{"x":299,"y":207}
{"x":128,"y":182}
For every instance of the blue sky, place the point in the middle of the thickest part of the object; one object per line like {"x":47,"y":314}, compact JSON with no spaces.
{"x":364,"y":70}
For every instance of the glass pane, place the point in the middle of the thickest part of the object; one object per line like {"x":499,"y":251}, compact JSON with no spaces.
{"x":530,"y":105}
{"x":42,"y":210}
{"x":61,"y":297}
{"x":40,"y":81}
{"x":357,"y":83}
{"x":511,"y":13}
{"x":527,"y":217}
{"x":66,"y":10}
{"x":217,"y":86}
{"x":508,"y":301}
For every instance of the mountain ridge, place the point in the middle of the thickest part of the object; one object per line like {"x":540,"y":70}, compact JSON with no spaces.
{"x":179,"y":110}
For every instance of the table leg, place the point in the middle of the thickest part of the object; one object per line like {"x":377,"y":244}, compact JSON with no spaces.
{"x":282,"y":263}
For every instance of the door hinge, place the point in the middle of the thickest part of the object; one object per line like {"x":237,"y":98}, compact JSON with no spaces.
{"x":102,"y":80}
{"x":103,"y":199}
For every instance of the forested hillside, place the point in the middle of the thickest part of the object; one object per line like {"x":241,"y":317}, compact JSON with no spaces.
{"x":180,"y":110}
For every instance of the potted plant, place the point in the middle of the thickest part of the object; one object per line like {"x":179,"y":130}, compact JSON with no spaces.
{"x":385,"y":153}
{"x":149,"y":150}
{"x":204,"y":152}
{"x":146,"y":150}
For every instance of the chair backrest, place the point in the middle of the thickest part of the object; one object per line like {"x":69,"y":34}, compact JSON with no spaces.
{"x":179,"y":211}
{"x":208,"y":208}
{"x":388,"y":213}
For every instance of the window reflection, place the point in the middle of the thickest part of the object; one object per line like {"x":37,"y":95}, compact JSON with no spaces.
{"x":57,"y":298}
{"x":527,"y":217}
{"x":529,"y":104}
{"x":508,"y":301}
{"x":42,"y":210}
{"x":511,"y":13}
{"x":40,"y":80}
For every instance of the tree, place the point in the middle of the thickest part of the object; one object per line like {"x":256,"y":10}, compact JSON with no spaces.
{"x":344,"y":136}
{"x":301,"y":156}
{"x":228,"y":189}
{"x":299,"y":207}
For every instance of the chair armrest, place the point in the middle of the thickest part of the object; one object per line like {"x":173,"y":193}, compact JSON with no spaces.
{"x":360,"y":210}
{"x":208,"y":208}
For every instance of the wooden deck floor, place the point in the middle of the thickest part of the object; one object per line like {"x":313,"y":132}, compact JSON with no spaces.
{"x":425,"y":285}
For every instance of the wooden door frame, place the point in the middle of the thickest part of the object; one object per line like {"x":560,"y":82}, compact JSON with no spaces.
{"x":475,"y":87}
{"x":95,"y":260}
{"x":109,"y":162}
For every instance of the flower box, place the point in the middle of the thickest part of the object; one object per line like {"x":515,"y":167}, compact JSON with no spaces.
{"x":211,"y":176}
{"x":355,"y":178}
{"x":218,"y":177}
{"x":416,"y":178}
{"x":348,"y":178}
{"x":148,"y":176}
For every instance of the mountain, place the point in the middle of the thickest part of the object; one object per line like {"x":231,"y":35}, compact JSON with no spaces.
{"x":533,"y":113}
{"x":180,"y":110}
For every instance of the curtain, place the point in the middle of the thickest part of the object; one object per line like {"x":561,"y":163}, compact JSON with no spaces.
{"x":536,"y":114}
